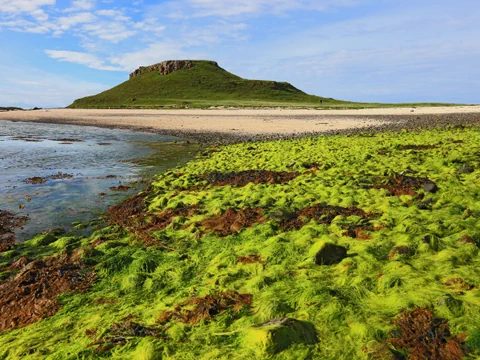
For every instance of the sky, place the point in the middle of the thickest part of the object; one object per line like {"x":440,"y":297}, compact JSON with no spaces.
{"x":54,"y":51}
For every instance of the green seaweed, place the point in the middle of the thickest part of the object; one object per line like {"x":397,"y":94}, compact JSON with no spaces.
{"x":407,"y":262}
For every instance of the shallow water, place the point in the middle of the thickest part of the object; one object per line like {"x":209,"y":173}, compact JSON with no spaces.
{"x":41,"y":150}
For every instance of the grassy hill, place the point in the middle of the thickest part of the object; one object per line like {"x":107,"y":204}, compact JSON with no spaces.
{"x":9,"y":108}
{"x":203,"y":85}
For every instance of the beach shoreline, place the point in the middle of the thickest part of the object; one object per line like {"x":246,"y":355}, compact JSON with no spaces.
{"x":238,"y":125}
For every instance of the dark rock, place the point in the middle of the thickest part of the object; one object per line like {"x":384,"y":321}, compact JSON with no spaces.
{"x":430,"y":187}
{"x":428,"y":201}
{"x":422,"y":206}
{"x":466,"y":169}
{"x":54,"y":231}
{"x":426,"y":239}
{"x":330,"y":254}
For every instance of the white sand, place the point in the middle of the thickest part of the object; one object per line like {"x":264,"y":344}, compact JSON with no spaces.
{"x":237,"y":121}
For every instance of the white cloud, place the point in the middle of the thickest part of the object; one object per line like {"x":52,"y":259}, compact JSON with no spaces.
{"x":81,"y":5}
{"x":23,"y":6}
{"x":227,"y":8}
{"x":152,"y":54}
{"x":113,"y":32}
{"x":67,"y":22}
{"x":23,"y":25}
{"x":115,"y":14}
{"x":86,"y":59}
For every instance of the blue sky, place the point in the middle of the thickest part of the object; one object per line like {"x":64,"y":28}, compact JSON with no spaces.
{"x":53,"y":51}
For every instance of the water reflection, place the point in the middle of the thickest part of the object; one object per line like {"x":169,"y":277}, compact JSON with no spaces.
{"x":94,"y":156}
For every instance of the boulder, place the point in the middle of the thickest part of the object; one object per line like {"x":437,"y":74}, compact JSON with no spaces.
{"x":272,"y":337}
{"x":430,"y":187}
{"x":330,"y":254}
{"x":466,"y":169}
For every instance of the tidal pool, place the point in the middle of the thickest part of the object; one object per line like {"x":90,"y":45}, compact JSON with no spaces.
{"x":78,"y":166}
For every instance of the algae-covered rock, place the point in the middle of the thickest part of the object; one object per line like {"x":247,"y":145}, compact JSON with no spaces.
{"x":455,"y":306}
{"x":330,"y":254}
{"x":276,"y":335}
{"x":42,"y":240}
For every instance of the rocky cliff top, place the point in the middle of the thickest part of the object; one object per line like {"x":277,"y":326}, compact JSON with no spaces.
{"x":168,"y":67}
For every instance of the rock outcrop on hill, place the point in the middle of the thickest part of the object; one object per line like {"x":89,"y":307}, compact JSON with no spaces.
{"x":167,"y":67}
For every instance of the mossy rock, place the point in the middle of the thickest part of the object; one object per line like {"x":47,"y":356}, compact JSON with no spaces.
{"x":42,"y":240}
{"x":276,"y":335}
{"x":455,"y":306}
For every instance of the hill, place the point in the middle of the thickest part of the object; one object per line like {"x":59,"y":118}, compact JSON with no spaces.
{"x":189,"y":83}
{"x":9,"y":108}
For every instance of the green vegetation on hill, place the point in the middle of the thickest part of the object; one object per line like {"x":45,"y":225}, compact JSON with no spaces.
{"x":359,"y":247}
{"x":9,"y":108}
{"x":206,"y":85}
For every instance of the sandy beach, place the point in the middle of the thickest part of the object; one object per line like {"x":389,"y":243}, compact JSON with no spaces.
{"x":245,"y":122}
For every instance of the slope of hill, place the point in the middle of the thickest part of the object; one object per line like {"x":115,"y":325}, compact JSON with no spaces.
{"x":196,"y":84}
{"x":9,"y":108}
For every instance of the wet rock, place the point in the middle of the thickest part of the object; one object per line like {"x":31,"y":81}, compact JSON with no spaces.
{"x":37,"y":180}
{"x":426,"y":239}
{"x":422,"y":206}
{"x":54,"y":231}
{"x":430,"y":187}
{"x":276,"y":335}
{"x":120,"y":188}
{"x":330,"y":254}
{"x":8,"y":223}
{"x":428,"y":201}
{"x":466,"y":169}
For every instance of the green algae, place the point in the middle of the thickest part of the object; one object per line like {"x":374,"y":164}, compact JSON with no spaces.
{"x":351,"y":305}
